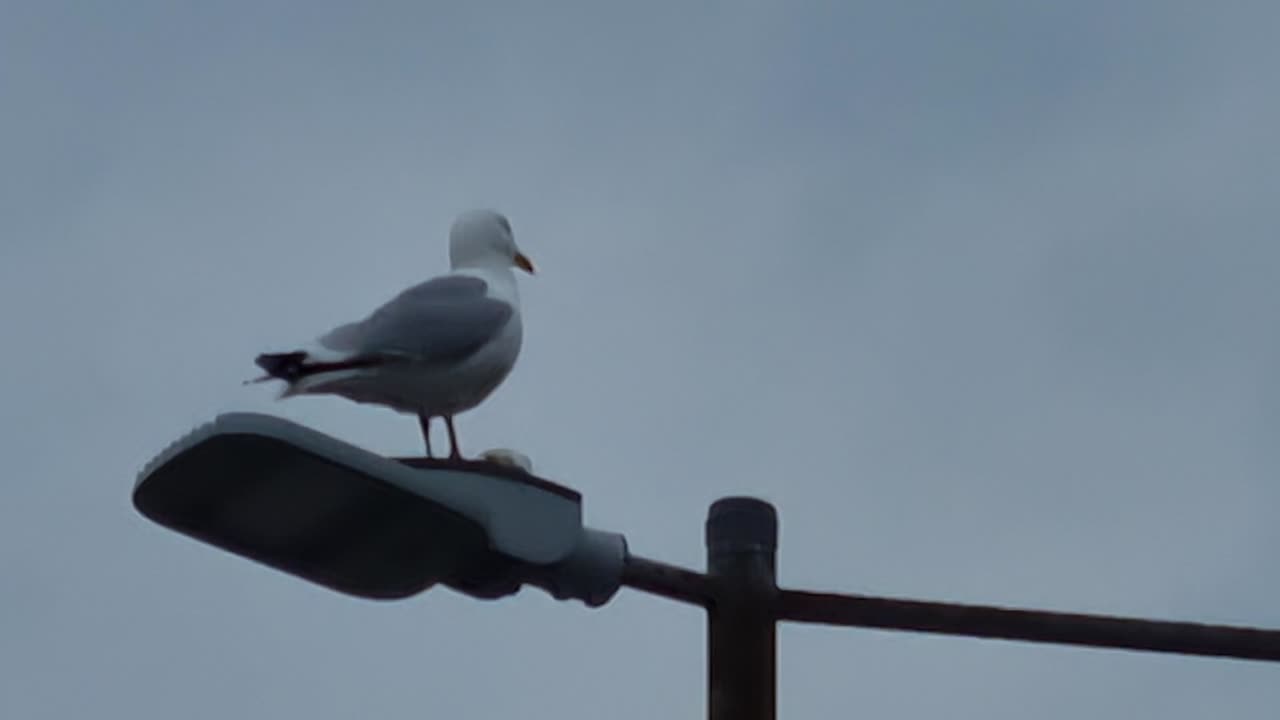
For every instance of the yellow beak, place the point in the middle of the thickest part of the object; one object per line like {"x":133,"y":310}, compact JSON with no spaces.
{"x":524,"y":263}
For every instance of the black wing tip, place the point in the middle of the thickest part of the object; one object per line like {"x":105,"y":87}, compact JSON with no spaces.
{"x":293,"y":366}
{"x":286,"y":366}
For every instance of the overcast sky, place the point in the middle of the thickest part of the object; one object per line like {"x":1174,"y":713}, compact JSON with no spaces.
{"x":982,"y":295}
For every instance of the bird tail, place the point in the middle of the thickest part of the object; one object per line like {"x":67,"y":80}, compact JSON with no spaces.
{"x":296,"y":366}
{"x":288,"y":366}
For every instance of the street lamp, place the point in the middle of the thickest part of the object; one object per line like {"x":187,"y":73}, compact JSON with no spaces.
{"x":383,"y":528}
{"x":335,"y":514}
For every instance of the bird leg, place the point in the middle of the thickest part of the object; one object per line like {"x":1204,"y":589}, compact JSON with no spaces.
{"x":424,"y":421}
{"x":454,"y":453}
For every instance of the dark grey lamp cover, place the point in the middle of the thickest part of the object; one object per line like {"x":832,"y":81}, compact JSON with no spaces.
{"x":354,"y":521}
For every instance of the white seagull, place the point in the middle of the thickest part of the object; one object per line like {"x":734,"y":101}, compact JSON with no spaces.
{"x":435,"y":350}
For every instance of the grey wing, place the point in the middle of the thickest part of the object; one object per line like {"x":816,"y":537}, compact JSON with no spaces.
{"x":438,"y":321}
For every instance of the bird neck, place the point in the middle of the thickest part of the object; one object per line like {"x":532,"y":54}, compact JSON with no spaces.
{"x":500,"y":278}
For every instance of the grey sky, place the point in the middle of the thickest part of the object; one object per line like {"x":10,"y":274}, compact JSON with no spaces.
{"x":982,"y":295}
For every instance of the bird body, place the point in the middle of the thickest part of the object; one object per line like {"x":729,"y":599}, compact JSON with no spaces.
{"x":437,"y":349}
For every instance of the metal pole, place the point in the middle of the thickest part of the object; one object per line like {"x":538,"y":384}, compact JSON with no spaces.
{"x":986,"y":621}
{"x":669,"y":581}
{"x":742,"y":545}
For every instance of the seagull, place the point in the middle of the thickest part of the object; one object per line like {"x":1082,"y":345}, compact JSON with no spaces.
{"x":437,"y":349}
